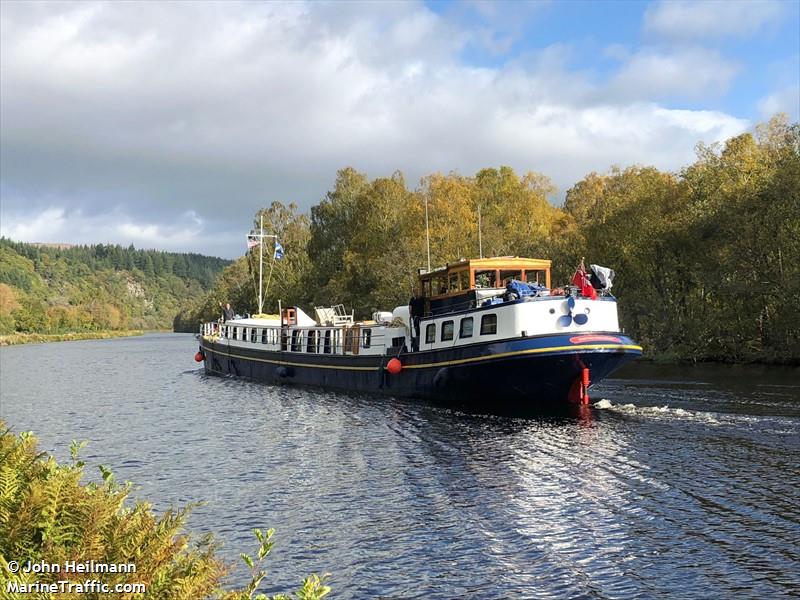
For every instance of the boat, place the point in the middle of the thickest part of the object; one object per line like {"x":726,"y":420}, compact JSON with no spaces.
{"x":485,"y":332}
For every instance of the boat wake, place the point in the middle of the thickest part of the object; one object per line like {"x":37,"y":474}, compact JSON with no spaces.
{"x":657,"y":411}
{"x":771,"y":424}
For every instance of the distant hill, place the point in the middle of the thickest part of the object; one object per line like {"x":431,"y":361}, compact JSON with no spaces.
{"x":59,"y":288}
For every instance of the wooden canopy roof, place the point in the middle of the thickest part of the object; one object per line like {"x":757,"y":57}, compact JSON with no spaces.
{"x":497,"y":262}
{"x":469,"y":267}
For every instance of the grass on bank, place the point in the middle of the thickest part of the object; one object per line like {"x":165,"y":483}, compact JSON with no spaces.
{"x":47,"y":515}
{"x":17,"y":338}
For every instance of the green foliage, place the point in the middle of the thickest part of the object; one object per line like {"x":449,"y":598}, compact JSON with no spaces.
{"x":55,"y":290}
{"x":707,"y":259}
{"x":47,"y":515}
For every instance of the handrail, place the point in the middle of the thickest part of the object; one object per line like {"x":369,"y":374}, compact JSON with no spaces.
{"x":283,"y":341}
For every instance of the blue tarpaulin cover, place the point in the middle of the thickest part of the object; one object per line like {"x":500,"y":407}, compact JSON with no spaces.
{"x":522,"y":289}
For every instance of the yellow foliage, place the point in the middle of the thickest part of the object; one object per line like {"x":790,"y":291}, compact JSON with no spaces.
{"x":8,"y":299}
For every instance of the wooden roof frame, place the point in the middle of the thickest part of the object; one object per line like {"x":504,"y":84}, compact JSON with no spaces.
{"x":497,"y":264}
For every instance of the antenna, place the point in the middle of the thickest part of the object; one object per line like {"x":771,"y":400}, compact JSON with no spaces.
{"x":480,"y":238}
{"x":427,"y":234}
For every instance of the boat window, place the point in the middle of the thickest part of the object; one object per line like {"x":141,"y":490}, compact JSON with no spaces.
{"x":489,"y":324}
{"x":236,"y":333}
{"x":506,"y":276}
{"x":311,"y":344}
{"x":430,"y":333}
{"x":297,"y":341}
{"x":463,"y":280}
{"x":253,"y":335}
{"x":447,"y":331}
{"x":426,"y":288}
{"x":326,"y":346}
{"x":263,"y":336}
{"x":399,"y":342}
{"x":486,"y":279}
{"x":284,"y":340}
{"x":452,"y":283}
{"x":366,"y":338}
{"x":466,"y":328}
{"x":535,"y":277}
{"x":440,"y":285}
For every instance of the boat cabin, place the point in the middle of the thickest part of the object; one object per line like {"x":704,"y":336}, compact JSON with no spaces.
{"x":463,"y":284}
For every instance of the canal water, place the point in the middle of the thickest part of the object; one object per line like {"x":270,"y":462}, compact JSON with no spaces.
{"x":682,"y":482}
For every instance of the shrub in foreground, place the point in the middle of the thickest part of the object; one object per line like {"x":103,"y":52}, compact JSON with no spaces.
{"x":48,"y":516}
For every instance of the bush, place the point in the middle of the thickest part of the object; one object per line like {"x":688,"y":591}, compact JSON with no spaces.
{"x":48,"y":516}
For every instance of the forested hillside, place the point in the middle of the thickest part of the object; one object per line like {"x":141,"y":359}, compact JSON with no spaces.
{"x":707,"y":259}
{"x":100,"y":287}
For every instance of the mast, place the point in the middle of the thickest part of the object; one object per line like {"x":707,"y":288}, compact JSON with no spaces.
{"x":258,"y":236}
{"x":261,"y":264}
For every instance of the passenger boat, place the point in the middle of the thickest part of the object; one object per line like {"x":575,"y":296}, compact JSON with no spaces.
{"x":487,"y":331}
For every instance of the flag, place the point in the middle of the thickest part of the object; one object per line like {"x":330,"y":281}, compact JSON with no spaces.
{"x":252,"y":242}
{"x":582,"y":282}
{"x":278,"y":250}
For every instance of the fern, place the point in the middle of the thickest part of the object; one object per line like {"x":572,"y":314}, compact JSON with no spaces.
{"x":9,"y":487}
{"x":46,"y":514}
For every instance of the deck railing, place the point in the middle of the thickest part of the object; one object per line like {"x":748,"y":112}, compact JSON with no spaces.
{"x":307,"y":340}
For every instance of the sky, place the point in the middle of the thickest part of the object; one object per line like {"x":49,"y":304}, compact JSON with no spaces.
{"x":168,"y":124}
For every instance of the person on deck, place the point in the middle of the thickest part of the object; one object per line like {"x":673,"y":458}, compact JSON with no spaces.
{"x":227,"y":312}
{"x":416,"y":309}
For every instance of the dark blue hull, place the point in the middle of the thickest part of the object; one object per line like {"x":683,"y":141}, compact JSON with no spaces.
{"x":523,"y":372}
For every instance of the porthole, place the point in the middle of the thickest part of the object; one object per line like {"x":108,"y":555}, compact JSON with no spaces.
{"x":552,"y":311}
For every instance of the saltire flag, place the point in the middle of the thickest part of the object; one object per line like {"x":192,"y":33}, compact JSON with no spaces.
{"x":252,"y":242}
{"x":278,"y":250}
{"x":582,"y":280}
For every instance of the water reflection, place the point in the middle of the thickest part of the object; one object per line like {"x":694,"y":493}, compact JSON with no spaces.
{"x":675,"y":484}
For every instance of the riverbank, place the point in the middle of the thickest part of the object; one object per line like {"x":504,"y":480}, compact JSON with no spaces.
{"x":15,"y":339}
{"x":674,"y":358}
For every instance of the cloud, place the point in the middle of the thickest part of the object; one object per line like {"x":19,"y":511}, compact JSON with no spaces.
{"x":685,"y":73}
{"x":785,"y":100}
{"x":710,"y":19}
{"x":139,"y":120}
{"x":57,"y":224}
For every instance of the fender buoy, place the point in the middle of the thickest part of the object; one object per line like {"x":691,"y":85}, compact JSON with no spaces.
{"x":284,"y":372}
{"x":394,"y":366}
{"x":199,"y":356}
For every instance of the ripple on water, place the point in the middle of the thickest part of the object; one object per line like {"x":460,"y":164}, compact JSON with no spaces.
{"x":670,"y":486}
